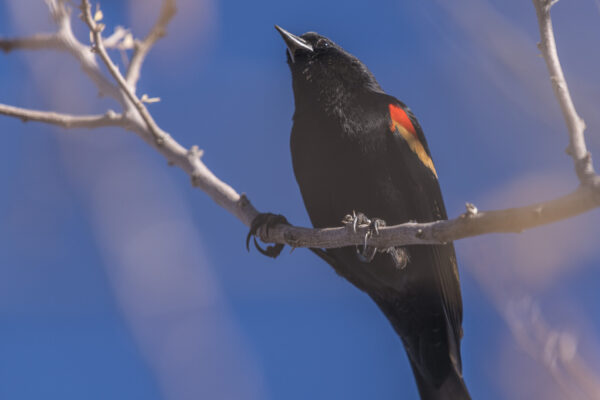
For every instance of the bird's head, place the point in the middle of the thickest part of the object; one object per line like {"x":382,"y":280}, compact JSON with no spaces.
{"x":320,"y":66}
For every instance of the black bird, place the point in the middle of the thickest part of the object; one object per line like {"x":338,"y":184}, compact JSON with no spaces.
{"x":356,"y":148}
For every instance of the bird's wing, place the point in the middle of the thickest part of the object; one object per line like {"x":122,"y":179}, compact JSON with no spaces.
{"x":413,"y":165}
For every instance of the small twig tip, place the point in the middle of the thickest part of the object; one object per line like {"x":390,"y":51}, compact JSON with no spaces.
{"x":471,"y":210}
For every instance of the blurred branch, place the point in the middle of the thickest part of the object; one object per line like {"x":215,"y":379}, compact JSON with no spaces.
{"x":136,"y":117}
{"x":120,"y":39}
{"x":554,"y":349}
{"x":35,"y":42}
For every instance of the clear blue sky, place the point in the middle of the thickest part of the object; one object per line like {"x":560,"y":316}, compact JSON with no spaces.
{"x":119,"y":280}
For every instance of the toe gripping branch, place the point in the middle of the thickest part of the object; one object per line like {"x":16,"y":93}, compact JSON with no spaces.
{"x":367,"y":253}
{"x":267,"y":220}
{"x":357,"y":219}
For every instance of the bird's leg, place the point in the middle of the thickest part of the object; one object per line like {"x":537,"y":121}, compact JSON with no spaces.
{"x":267,"y":220}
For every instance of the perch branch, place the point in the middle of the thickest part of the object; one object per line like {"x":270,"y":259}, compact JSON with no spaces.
{"x":498,"y":221}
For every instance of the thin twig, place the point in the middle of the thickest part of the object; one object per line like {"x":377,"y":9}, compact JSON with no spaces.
{"x":176,"y":154}
{"x":110,"y":118}
{"x":120,"y":39}
{"x":96,"y":30}
{"x":62,"y":17}
{"x":575,"y":124}
{"x":142,"y":48}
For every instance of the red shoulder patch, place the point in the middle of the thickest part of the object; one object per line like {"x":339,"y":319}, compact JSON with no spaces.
{"x":400,"y":117}
{"x":401,"y":124}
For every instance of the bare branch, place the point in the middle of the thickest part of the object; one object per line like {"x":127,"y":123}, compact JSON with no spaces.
{"x":555,"y":349}
{"x":575,"y":125}
{"x":110,"y":118}
{"x":35,"y":42}
{"x":64,"y":39}
{"x":142,"y":48}
{"x":175,"y":153}
{"x":96,"y":30}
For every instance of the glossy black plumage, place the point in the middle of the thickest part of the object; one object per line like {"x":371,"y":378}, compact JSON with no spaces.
{"x":346,"y":158}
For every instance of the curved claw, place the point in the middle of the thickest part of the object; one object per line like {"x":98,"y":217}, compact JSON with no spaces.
{"x":268,"y":220}
{"x":367,"y":254}
{"x":376,"y":224}
{"x":367,"y":236}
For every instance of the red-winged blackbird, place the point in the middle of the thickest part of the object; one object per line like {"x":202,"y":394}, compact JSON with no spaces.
{"x":355,"y":148}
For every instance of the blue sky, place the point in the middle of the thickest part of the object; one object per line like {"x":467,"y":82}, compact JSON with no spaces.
{"x":119,"y":280}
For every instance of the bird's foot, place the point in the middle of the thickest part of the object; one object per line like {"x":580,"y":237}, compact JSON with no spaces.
{"x":355,"y":220}
{"x":367,"y":253}
{"x":267,"y":220}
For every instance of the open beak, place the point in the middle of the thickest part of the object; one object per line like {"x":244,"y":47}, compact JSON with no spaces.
{"x":294,"y":43}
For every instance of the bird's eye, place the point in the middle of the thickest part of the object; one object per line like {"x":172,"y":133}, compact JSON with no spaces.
{"x":323,"y":43}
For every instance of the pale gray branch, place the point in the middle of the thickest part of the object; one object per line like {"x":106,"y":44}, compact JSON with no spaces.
{"x":65,"y":40}
{"x":110,"y":118}
{"x":142,"y":48}
{"x":96,"y":30}
{"x":575,"y":124}
{"x":175,"y":153}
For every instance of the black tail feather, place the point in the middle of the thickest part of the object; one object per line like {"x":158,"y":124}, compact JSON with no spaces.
{"x":452,"y":388}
